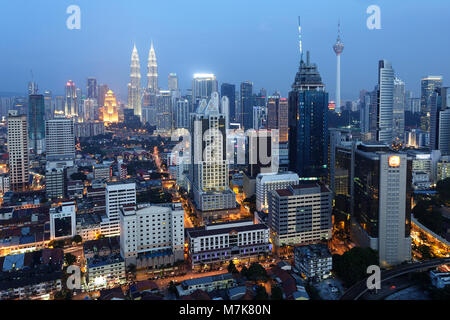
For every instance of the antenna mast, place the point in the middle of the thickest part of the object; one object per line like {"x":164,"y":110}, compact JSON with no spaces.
{"x":300,"y":38}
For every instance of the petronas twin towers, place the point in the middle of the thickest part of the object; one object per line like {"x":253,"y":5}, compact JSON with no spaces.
{"x":134,"y":87}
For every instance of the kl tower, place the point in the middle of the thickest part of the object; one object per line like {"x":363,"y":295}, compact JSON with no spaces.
{"x":338,"y":48}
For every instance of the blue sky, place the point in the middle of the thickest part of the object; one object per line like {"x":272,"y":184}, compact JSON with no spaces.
{"x":235,"y":39}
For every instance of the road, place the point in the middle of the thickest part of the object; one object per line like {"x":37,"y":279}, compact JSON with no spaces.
{"x":360,"y":288}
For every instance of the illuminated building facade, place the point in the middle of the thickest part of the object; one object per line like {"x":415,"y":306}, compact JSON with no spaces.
{"x":134,"y":87}
{"x":71,"y":101}
{"x":110,"y":108}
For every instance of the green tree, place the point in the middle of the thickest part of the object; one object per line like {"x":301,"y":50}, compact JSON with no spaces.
{"x":256,"y":272}
{"x":244,"y":271}
{"x":443,"y":188}
{"x":69,"y":259}
{"x":232,"y":268}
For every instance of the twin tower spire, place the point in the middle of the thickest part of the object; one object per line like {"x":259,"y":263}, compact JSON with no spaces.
{"x":134,"y":87}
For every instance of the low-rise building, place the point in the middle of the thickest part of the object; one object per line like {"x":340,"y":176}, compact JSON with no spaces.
{"x":222,"y":242}
{"x":314,"y":261}
{"x":208,"y":284}
{"x":439,"y":279}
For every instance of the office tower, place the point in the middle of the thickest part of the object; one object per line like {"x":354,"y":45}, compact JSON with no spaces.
{"x":364,"y":113}
{"x":209,"y":165}
{"x":80,"y":99}
{"x":277,"y":116}
{"x":118,"y":195}
{"x":48,"y":105}
{"x":439,"y":120}
{"x":71,"y":101}
{"x":55,"y":182}
{"x":338,"y":49}
{"x":110,"y":108}
{"x":5,"y":106}
{"x":134,"y":87}
{"x":385,"y":108}
{"x":150,"y":115}
{"x":220,"y":243}
{"x":59,"y":105}
{"x":266,"y":182}
{"x":102,"y":90}
{"x":261,"y":156}
{"x":382,"y":202}
{"x":259,"y":117}
{"x":60,"y":139}
{"x":152,"y":75}
{"x":300,"y":214}
{"x":203,"y":85}
{"x":399,"y":108}
{"x":89,"y":110}
{"x":173,"y":82}
{"x":36,"y":123}
{"x":92,"y":88}
{"x":428,"y":85}
{"x":229,"y":91}
{"x":246,"y":95}
{"x":165,"y":121}
{"x":18,"y":151}
{"x":182,"y":113}
{"x":152,"y":236}
{"x":308,"y":123}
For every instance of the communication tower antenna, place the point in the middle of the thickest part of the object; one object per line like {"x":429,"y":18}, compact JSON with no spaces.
{"x":300,"y":38}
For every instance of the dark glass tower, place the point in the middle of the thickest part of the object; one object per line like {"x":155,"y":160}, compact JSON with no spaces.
{"x":229,"y":91}
{"x":36,"y":122}
{"x":247,"y":105}
{"x":308,"y":123}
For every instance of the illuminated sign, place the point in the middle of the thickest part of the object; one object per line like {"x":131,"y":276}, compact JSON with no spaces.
{"x":394,"y":161}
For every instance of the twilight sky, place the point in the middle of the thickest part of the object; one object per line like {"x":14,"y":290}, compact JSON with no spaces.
{"x":235,"y":39}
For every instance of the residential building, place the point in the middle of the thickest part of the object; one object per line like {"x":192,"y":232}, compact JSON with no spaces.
{"x":314,"y":261}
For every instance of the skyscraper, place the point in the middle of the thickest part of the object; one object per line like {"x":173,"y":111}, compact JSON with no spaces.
{"x":203,"y":85}
{"x":49,"y":109}
{"x":399,"y":108}
{"x":60,"y":139}
{"x":18,"y":151}
{"x":382,"y":202}
{"x":385,"y":110}
{"x":440,"y":120}
{"x":110,"y":108}
{"x":338,"y":49}
{"x":71,"y":101}
{"x":246,"y":95}
{"x":308,"y":123}
{"x":134,"y":87}
{"x":172,"y":82}
{"x":209,"y":165}
{"x":92,"y":88}
{"x":152,"y":75}
{"x":277,"y":116}
{"x":428,"y":85}
{"x":182,"y":113}
{"x":36,"y":123}
{"x":229,"y":90}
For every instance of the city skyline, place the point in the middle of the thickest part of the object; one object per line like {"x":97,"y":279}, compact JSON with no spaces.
{"x":364,"y":47}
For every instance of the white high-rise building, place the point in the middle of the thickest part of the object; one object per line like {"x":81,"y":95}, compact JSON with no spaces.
{"x":203,"y":85}
{"x":385,"y":108}
{"x":209,"y":165}
{"x":118,"y":195}
{"x":399,"y":108}
{"x":182,"y":113}
{"x":152,"y":235}
{"x":60,"y":139}
{"x":134,"y":87}
{"x":18,"y":151}
{"x":266,"y":182}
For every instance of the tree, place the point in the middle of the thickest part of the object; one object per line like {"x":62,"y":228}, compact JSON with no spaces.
{"x":277,"y":293}
{"x":443,"y":188}
{"x":232,"y":268}
{"x":256,"y":272}
{"x":77,"y":239}
{"x":69,"y":259}
{"x":261,"y":293}
{"x":244,"y":271}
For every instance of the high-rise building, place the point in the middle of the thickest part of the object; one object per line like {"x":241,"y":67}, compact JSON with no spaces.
{"x":165,"y":116}
{"x":90,"y":109}
{"x":49,"y":109}
{"x":152,"y":74}
{"x":36,"y":123}
{"x":203,"y":85}
{"x":182,"y":113}
{"x":209,"y":165}
{"x":18,"y":151}
{"x":92,"y":88}
{"x":300,"y":214}
{"x":428,"y":85}
{"x":71,"y":101}
{"x":385,"y":107}
{"x":308,"y":123}
{"x":246,"y":95}
{"x":229,"y":91}
{"x":399,"y":108}
{"x":60,"y":139}
{"x":440,"y":121}
{"x":134,"y":87}
{"x":266,"y":182}
{"x":102,"y":90}
{"x":172,"y":82}
{"x":382,"y":202}
{"x":338,"y":49}
{"x":277,"y":116}
{"x":118,"y":195}
{"x":110,"y":108}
